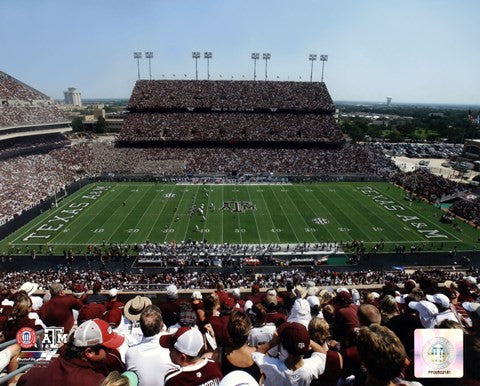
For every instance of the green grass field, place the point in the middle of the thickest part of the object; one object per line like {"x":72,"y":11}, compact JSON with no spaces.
{"x":249,"y":214}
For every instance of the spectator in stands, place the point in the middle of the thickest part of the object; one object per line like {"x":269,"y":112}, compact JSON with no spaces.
{"x":319,"y":332}
{"x":262,"y":332}
{"x":9,"y":358}
{"x":20,"y":317}
{"x":187,"y":346}
{"x":238,"y":356}
{"x":78,"y":366}
{"x":150,"y":361}
{"x":96,"y":296}
{"x":295,"y":339}
{"x":58,"y":310}
{"x":382,"y":354}
{"x":171,"y":308}
{"x":112,"y":301}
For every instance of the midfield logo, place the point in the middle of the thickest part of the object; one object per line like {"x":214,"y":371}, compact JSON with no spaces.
{"x":320,"y":221}
{"x":238,"y":206}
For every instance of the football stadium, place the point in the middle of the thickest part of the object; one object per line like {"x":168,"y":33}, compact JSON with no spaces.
{"x":233,"y":232}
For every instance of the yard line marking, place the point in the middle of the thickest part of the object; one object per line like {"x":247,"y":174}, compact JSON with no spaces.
{"x":255,"y":218}
{"x":125,"y":217}
{"x":270,"y":215}
{"x":190,"y":217}
{"x":238,"y":219}
{"x":159,"y":214}
{"x":289,"y":223}
{"x":314,"y":214}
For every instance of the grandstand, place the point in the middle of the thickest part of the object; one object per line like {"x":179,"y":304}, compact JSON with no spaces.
{"x":29,"y":120}
{"x":219,"y":113}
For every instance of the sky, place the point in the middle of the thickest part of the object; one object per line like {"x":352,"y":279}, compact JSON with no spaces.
{"x":416,"y":51}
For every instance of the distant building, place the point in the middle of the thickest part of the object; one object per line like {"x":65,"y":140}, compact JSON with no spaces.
{"x":471,"y":153}
{"x":73,"y":97}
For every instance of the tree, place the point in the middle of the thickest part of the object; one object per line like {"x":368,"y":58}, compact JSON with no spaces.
{"x":101,"y":125}
{"x":77,"y":124}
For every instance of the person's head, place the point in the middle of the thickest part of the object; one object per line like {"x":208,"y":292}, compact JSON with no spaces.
{"x":319,"y":330}
{"x":186,"y":345}
{"x":328,"y":312}
{"x":97,"y":287}
{"x":220,"y":286}
{"x":238,"y":328}
{"x":172,"y":292}
{"x":91,"y":341}
{"x":294,"y":338}
{"x":236,"y":293}
{"x":151,"y":321}
{"x":368,"y":314}
{"x":258,"y":314}
{"x":211,"y":302}
{"x":389,"y":308}
{"x":21,"y":306}
{"x":381,"y":352}
{"x":56,"y":289}
{"x":197,"y":296}
{"x":112,"y":294}
{"x":270,"y":302}
{"x":128,"y":378}
{"x":186,"y":315}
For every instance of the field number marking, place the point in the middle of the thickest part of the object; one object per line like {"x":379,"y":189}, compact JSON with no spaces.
{"x":344,"y":229}
{"x":133,"y":230}
{"x":275,"y":230}
{"x":239,"y":230}
{"x":309,"y":230}
{"x":377,"y":229}
{"x":98,"y":230}
{"x":168,"y":230}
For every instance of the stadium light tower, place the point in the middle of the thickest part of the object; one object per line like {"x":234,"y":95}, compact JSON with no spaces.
{"x":149,"y":56}
{"x":323,"y":59}
{"x":313,"y":58}
{"x":138,"y":56}
{"x":196,"y":56}
{"x":266,"y":57}
{"x":255,"y":57}
{"x":208,"y":56}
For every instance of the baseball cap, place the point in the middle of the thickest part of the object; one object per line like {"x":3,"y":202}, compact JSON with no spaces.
{"x":96,"y":332}
{"x":472,"y":307}
{"x":439,"y":299}
{"x":172,"y":290}
{"x":228,"y":303}
{"x":427,"y":312}
{"x":295,"y":338}
{"x":97,"y":286}
{"x":255,"y":288}
{"x":113,"y":292}
{"x":313,"y":301}
{"x":197,"y":295}
{"x":187,"y":340}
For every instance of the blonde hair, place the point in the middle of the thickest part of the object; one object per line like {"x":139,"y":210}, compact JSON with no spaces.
{"x":115,"y":379}
{"x":319,"y":330}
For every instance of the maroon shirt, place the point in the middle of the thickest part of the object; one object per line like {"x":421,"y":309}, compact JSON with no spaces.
{"x":219,"y":325}
{"x":113,"y":304}
{"x":205,"y":372}
{"x":170,"y":312}
{"x":332,"y":371}
{"x":60,"y":371}
{"x":346,"y":321}
{"x":11,"y":327}
{"x":58,"y":311}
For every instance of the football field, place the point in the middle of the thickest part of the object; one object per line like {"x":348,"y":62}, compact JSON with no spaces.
{"x":129,"y":213}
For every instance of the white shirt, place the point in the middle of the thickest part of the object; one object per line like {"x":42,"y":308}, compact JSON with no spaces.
{"x":149,"y":361}
{"x":260,"y":335}
{"x":445,"y":315}
{"x":277,"y":374}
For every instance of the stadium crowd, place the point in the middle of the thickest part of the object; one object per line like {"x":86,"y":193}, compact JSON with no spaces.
{"x":427,"y":185}
{"x":467,"y":209}
{"x":230,"y":127}
{"x":30,"y":115}
{"x":303,"y":334}
{"x":26,"y":181}
{"x":12,"y":89}
{"x":31,"y":144}
{"x":230,"y":96}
